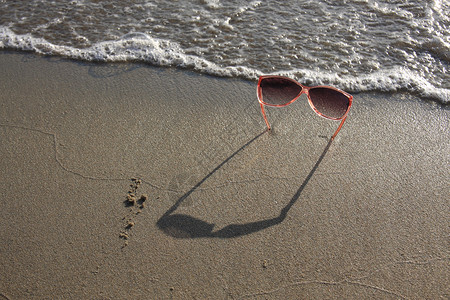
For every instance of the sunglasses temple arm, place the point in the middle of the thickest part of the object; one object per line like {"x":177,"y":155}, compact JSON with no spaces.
{"x":339,"y":128}
{"x":264,"y":115}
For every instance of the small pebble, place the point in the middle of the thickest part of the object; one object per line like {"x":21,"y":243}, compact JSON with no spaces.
{"x":131,"y":199}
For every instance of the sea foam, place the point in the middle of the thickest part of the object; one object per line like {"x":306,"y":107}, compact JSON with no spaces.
{"x":141,"y":47}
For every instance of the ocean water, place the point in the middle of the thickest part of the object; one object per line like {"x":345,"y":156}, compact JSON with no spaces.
{"x":356,"y":45}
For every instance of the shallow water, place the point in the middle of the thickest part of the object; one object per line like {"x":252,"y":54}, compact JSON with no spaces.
{"x":357,"y":45}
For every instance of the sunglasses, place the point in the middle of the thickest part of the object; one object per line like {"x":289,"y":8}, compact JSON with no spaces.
{"x":328,"y":102}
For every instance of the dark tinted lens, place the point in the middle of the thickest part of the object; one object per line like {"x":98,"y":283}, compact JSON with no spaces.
{"x":279,"y":91}
{"x":329,"y":102}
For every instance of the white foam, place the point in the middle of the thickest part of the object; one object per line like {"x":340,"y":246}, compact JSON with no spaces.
{"x":131,"y":47}
{"x":391,"y":80}
{"x":212,"y":3}
{"x":144,"y":48}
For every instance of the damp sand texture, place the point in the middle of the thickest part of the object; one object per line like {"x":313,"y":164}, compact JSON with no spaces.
{"x":365,"y":218}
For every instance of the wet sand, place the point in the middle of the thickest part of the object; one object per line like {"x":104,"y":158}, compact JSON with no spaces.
{"x":229,"y":211}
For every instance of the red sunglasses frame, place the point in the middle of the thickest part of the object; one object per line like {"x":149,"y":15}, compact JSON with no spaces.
{"x":305,"y":90}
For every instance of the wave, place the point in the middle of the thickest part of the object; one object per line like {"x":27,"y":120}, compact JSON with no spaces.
{"x":389,"y":80}
{"x":140,"y":47}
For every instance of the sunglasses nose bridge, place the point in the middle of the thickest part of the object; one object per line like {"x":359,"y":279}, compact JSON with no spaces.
{"x":305,"y":90}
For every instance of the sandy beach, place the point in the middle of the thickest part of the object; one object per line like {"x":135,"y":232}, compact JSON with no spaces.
{"x":127,"y":181}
